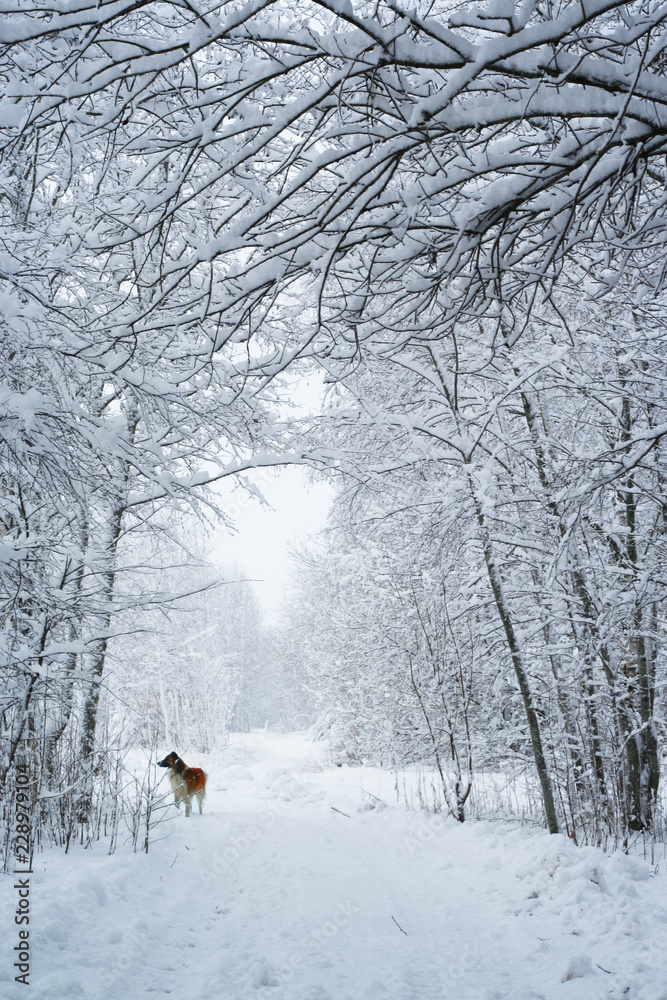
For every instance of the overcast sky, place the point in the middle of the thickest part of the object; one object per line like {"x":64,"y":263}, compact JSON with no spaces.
{"x":261,"y":547}
{"x":298,"y":511}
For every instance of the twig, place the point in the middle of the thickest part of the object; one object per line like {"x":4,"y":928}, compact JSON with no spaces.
{"x":174,"y":861}
{"x":605,"y":970}
{"x":370,"y":795}
{"x":341,"y":812}
{"x":399,"y":926}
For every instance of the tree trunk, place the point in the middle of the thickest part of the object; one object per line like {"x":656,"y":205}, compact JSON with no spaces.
{"x":108,"y":576}
{"x":516,"y":654}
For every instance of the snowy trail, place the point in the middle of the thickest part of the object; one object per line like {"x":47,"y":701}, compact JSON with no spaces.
{"x":274,"y":894}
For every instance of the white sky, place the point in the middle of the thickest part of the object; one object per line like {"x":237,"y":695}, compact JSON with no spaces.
{"x":260,"y":549}
{"x":298,"y":510}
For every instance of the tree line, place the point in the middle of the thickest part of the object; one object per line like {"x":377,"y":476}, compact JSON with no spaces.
{"x":455,"y":212}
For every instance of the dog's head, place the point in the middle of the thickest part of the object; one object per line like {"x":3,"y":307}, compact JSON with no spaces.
{"x":170,"y":760}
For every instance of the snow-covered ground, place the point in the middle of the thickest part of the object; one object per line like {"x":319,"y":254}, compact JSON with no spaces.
{"x":300,"y":883}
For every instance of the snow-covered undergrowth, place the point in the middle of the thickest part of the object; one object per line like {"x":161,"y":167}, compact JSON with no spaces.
{"x":307,"y":882}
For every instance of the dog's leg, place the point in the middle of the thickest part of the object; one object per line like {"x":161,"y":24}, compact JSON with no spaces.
{"x":200,"y":801}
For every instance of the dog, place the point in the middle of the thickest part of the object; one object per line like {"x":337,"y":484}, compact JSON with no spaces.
{"x":185,"y":781}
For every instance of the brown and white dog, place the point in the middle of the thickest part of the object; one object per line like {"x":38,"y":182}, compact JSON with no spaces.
{"x":185,"y":781}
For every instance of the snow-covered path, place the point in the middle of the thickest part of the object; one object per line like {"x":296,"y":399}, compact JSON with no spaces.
{"x":291,"y":888}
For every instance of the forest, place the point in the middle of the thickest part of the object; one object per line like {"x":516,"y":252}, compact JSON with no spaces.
{"x":453,"y":217}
